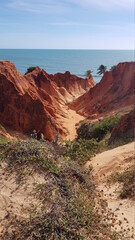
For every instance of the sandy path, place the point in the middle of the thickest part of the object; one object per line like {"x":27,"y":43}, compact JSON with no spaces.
{"x":70,"y":121}
{"x":121,"y":211}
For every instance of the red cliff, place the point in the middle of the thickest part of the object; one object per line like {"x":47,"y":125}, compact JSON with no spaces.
{"x":35,"y":100}
{"x":115,"y":90}
{"x":125,"y":128}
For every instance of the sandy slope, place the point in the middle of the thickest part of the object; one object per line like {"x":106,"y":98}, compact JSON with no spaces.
{"x":122,"y":212}
{"x":69,"y":121}
{"x":16,"y":200}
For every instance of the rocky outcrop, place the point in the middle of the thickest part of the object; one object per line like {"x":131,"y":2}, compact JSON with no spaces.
{"x":115,"y":90}
{"x":34,"y":101}
{"x":125,"y":128}
{"x":72,"y":84}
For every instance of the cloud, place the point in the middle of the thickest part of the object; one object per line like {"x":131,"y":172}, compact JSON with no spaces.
{"x":104,"y":4}
{"x":60,"y":6}
{"x":106,"y":27}
{"x":38,"y":6}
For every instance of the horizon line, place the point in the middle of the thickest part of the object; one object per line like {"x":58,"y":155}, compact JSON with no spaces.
{"x":68,"y":49}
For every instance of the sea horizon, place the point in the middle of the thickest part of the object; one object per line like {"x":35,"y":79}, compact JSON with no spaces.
{"x":77,"y":61}
{"x":89,"y":49}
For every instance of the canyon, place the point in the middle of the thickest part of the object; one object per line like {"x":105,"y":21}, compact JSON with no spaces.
{"x":53,"y":104}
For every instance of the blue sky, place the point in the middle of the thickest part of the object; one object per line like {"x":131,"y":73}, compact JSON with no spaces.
{"x":67,"y":24}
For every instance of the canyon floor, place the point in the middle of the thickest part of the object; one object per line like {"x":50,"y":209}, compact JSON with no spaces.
{"x":70,"y":121}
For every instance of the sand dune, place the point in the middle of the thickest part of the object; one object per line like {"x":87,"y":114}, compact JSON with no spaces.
{"x":122,"y":211}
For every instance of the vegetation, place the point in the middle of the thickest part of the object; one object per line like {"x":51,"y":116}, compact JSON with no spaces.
{"x":101,"y":70}
{"x":120,"y":141}
{"x":30,"y":69}
{"x":127,"y":178}
{"x":82,"y":149}
{"x":88,"y":72}
{"x":20,"y":154}
{"x":99,"y":129}
{"x":65,"y":202}
{"x":66,"y":206}
{"x":3,"y":140}
{"x":112,"y":68}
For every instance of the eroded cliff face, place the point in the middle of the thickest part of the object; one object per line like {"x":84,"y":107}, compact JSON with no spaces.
{"x":43,"y":101}
{"x":125,"y":128}
{"x":115,"y":90}
{"x":35,"y":100}
{"x":72,"y":84}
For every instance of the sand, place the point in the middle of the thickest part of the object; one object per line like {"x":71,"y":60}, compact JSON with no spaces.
{"x":70,"y":121}
{"x":122,"y":211}
{"x":16,"y":200}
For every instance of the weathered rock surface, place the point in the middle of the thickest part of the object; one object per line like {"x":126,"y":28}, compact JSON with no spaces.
{"x":115,"y":90}
{"x":41,"y":101}
{"x":34,"y":101}
{"x":125,"y":127}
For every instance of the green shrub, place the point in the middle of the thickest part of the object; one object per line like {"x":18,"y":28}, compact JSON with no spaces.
{"x":99,"y":129}
{"x":113,"y":67}
{"x":30,"y":69}
{"x":3,"y":140}
{"x":82,"y":149}
{"x":30,"y":152}
{"x":128,"y":180}
{"x":66,"y":207}
{"x":88,"y":72}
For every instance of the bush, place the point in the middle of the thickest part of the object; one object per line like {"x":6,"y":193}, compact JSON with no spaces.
{"x":18,"y":154}
{"x":87,"y":73}
{"x":66,"y":206}
{"x":82,"y":149}
{"x":97,"y":130}
{"x":3,"y":140}
{"x":113,"y":67}
{"x":128,"y":180}
{"x":30,"y":69}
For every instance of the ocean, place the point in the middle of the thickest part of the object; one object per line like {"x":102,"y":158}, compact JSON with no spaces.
{"x":75,"y":61}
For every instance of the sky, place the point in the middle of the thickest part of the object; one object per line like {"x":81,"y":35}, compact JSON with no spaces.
{"x":67,"y":24}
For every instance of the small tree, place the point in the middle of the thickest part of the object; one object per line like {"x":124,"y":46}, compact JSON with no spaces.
{"x":88,"y":72}
{"x":101,"y":70}
{"x":30,"y":69}
{"x":112,"y":68}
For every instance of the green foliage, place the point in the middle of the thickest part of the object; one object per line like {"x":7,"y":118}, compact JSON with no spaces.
{"x":3,"y":140}
{"x":101,"y":70}
{"x":120,"y":141}
{"x":60,"y":225}
{"x":66,"y":206}
{"x":30,"y":69}
{"x":106,"y":125}
{"x":112,"y":68}
{"x":128,"y":180}
{"x":99,"y":129}
{"x":18,"y":154}
{"x":88,"y":72}
{"x":82,"y":149}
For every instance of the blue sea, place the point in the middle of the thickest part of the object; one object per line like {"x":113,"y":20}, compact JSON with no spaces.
{"x":75,"y":61}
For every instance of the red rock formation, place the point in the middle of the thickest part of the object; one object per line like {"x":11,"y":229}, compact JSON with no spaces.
{"x":33,"y":101}
{"x":115,"y":90}
{"x":74,"y":85}
{"x":125,"y":127}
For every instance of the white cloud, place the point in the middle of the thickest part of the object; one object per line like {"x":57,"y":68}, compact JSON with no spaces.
{"x":105,"y":4}
{"x":57,"y":6}
{"x":80,"y":24}
{"x":38,"y":6}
